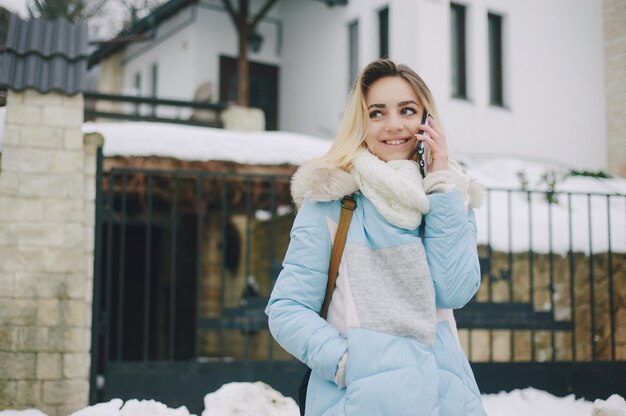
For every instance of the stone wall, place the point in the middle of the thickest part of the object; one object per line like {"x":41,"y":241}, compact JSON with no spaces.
{"x":47,"y":192}
{"x":615,"y":68}
{"x":580,"y":275}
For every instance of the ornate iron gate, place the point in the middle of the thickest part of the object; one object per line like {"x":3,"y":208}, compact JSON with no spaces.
{"x":185,"y":261}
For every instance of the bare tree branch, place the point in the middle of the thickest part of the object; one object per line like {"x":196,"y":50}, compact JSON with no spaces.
{"x":231,"y":12}
{"x":262,"y":13}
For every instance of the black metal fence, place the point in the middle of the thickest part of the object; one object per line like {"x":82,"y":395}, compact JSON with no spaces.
{"x":185,"y":262}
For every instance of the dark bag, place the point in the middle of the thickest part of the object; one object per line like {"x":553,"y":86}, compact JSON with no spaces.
{"x":348,"y":204}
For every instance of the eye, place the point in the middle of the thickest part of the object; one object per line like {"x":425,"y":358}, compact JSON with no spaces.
{"x":375,"y":114}
{"x":408,"y":111}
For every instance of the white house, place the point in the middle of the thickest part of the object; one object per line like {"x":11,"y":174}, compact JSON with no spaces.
{"x":511,"y":78}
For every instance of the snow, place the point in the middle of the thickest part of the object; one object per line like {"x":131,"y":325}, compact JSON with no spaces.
{"x":259,"y":399}
{"x":203,"y":143}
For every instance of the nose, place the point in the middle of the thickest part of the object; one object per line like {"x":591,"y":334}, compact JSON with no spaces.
{"x":393,"y":123}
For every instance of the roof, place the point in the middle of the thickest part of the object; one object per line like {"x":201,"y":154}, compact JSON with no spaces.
{"x":46,"y":56}
{"x":158,"y":15}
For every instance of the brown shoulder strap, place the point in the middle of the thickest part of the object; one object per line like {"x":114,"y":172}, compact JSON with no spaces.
{"x":348,"y":204}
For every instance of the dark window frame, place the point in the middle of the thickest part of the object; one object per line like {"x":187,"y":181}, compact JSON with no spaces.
{"x":458,"y":50}
{"x":383,"y":32}
{"x":353,"y":51}
{"x":495,"y":23}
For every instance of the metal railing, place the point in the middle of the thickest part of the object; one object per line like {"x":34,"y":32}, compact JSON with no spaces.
{"x":552,"y":273}
{"x":152,"y":109}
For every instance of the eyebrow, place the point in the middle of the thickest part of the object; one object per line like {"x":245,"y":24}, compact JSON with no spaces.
{"x":400,"y":104}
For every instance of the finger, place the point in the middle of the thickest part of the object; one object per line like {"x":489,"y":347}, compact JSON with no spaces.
{"x":434,"y":146}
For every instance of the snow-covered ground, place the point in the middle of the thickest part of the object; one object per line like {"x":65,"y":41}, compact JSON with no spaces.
{"x":259,"y":399}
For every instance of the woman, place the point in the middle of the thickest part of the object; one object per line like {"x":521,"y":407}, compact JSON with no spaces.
{"x":389,"y":346}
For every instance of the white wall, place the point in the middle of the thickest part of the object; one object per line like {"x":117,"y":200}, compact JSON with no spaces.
{"x":554,"y":85}
{"x":554,"y":82}
{"x":187,"y":48}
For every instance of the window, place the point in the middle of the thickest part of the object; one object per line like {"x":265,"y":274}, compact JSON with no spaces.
{"x":496,"y":90}
{"x":154,"y":76}
{"x":353,"y":64}
{"x":383,"y":32}
{"x":137,"y":89}
{"x":457,"y":47}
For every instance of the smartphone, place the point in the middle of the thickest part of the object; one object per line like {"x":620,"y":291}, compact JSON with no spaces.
{"x":422,"y":148}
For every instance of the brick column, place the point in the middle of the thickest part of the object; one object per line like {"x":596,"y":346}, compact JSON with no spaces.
{"x":47,"y":192}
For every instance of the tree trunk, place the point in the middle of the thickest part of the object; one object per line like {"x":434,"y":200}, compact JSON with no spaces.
{"x":243,"y":67}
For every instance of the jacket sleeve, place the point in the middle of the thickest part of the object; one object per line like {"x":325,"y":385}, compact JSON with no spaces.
{"x":297,"y":297}
{"x":450,"y":244}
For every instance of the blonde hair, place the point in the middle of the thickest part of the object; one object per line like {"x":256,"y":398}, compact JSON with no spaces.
{"x":353,"y":128}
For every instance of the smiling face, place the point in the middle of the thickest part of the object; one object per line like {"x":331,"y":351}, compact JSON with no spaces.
{"x":394,"y":118}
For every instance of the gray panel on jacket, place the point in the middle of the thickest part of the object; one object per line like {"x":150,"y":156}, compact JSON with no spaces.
{"x":392,"y":290}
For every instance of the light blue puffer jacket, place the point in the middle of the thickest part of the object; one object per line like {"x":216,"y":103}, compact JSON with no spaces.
{"x":391,"y":310}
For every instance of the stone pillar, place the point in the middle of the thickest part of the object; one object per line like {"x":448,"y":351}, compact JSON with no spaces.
{"x":47,"y":193}
{"x":615,"y":67}
{"x":240,"y":118}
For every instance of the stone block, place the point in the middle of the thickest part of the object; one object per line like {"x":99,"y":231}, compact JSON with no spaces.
{"x":76,"y":366}
{"x":51,"y":186}
{"x":15,"y":97}
{"x":11,"y":259}
{"x":68,"y":117}
{"x":67,"y":161}
{"x":42,"y":137}
{"x":12,"y":135}
{"x":75,"y":283}
{"x":19,"y":365}
{"x":24,"y":312}
{"x":8,"y":392}
{"x":78,"y":339}
{"x":40,"y":285}
{"x":43,"y":339}
{"x":74,"y":235}
{"x":6,"y":312}
{"x":20,"y":159}
{"x":53,"y":260}
{"x":66,"y":392}
{"x":75,"y":313}
{"x":34,"y":97}
{"x":21,"y":209}
{"x":48,"y":312}
{"x":65,"y":210}
{"x":40,"y":235}
{"x":73,"y":139}
{"x":28,"y":393}
{"x":26,"y":340}
{"x":24,"y":114}
{"x":7,"y":285}
{"x":8,"y":338}
{"x":49,"y":366}
{"x":9,"y":183}
{"x":76,"y":100}
{"x":8,"y":235}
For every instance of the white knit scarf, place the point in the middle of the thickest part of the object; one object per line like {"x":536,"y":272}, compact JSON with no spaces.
{"x":395,"y":188}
